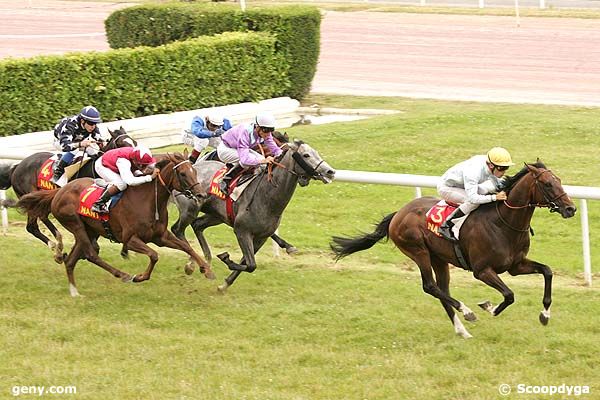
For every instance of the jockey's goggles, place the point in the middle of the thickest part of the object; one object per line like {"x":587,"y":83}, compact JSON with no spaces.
{"x":267,"y":129}
{"x":501,"y":168}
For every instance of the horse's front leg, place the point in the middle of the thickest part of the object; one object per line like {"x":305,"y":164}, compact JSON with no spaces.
{"x":532,"y":267}
{"x":249,"y":246}
{"x":491,"y":278}
{"x":168,"y":239}
{"x":136,"y":244}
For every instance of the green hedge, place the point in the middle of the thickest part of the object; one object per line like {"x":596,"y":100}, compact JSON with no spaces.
{"x":297,"y":29}
{"x":35,"y":93}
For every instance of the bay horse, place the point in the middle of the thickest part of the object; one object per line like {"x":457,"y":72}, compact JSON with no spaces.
{"x":138,"y":218}
{"x":23,"y":179}
{"x":493,"y":239}
{"x":259,"y":209}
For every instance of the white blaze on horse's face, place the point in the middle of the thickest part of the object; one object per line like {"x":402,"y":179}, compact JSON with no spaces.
{"x":323,"y":171}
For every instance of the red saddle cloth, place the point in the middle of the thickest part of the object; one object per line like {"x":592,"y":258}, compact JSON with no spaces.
{"x":438,"y":214}
{"x":87,"y":198}
{"x":46,"y":173}
{"x":214,"y":183}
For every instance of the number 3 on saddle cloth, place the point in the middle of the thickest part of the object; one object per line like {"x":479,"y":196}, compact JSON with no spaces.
{"x":236,"y":187}
{"x":439,"y":213}
{"x":47,"y":172}
{"x":89,"y":196}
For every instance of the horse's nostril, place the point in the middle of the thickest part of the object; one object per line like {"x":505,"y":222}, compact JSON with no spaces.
{"x":331,"y":172}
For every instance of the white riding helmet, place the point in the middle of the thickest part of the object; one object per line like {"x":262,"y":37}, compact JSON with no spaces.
{"x":215,"y":118}
{"x":265,"y":120}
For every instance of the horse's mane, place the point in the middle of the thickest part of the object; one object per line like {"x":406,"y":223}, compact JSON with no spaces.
{"x":511,"y":181}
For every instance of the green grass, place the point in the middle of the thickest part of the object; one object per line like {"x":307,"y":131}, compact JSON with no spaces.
{"x":309,"y":328}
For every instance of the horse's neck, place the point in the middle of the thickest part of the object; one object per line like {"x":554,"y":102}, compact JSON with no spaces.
{"x":282,"y":186}
{"x":518,"y":212}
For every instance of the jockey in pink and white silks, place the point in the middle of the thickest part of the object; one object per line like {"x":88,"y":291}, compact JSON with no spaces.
{"x":470,"y":183}
{"x":236,"y":146}
{"x":120,"y":168}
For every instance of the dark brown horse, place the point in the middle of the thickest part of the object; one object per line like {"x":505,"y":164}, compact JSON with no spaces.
{"x":138,"y":218}
{"x":494,"y":239}
{"x":23,"y":179}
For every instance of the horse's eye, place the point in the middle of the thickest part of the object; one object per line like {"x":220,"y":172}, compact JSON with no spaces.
{"x":306,"y":155}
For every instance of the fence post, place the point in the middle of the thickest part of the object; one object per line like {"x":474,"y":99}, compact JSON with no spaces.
{"x":481,"y":4}
{"x":542,"y":4}
{"x":4,"y":212}
{"x":243,"y":5}
{"x":585,"y":238}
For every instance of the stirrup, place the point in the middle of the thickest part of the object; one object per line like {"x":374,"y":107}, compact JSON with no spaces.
{"x":102,"y":209}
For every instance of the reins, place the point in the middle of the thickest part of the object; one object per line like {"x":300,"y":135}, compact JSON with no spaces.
{"x":549,"y":203}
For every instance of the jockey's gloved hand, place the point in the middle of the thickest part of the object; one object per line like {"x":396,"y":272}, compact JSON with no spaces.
{"x":218,"y":132}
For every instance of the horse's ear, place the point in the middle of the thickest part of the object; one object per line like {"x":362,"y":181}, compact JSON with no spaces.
{"x":185,"y":153}
{"x":121,"y":128}
{"x":296,"y":144}
{"x":112,"y":133}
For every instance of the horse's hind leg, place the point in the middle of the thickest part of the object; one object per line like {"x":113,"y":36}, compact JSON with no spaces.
{"x":531,"y":267}
{"x":57,"y":247}
{"x":33,"y":228}
{"x":199,"y":225}
{"x":289,"y":248}
{"x":249,"y":247}
{"x":70,"y":261}
{"x":491,"y":278}
{"x":423,"y":260}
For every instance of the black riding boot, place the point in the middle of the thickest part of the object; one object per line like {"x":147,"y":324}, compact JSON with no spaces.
{"x":101,"y":205}
{"x":59,"y":170}
{"x":446,"y":228}
{"x":224,"y":185}
{"x":194,"y":156}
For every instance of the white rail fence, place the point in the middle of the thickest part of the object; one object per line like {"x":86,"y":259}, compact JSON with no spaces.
{"x":418,"y":181}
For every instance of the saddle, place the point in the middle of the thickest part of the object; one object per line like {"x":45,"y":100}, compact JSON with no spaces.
{"x":47,"y":171}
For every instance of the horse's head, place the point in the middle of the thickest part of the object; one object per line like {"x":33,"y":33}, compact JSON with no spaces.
{"x":119,"y":138}
{"x":544,"y":189}
{"x":309,"y":164}
{"x":184,"y":178}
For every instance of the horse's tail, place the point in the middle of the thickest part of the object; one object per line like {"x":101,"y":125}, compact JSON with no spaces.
{"x":343,"y":246}
{"x":6,"y":171}
{"x":37,"y":204}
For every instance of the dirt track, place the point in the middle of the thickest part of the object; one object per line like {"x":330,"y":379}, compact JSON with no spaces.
{"x":545,"y":60}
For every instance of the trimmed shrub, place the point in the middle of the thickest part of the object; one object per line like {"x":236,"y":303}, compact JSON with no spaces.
{"x":35,"y":93}
{"x":296,"y":28}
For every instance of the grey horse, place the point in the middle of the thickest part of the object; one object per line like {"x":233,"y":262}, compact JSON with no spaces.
{"x":259,"y":209}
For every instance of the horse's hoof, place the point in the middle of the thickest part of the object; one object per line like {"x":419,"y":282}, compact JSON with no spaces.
{"x":222,"y":289}
{"x":189,"y":268}
{"x":487,"y":306}
{"x":470,"y":316}
{"x":59,"y":259}
{"x":291,"y":250}
{"x":128,"y":278}
{"x":210,"y":275}
{"x":125,"y":255}
{"x":223,"y":256}
{"x":544,"y":318}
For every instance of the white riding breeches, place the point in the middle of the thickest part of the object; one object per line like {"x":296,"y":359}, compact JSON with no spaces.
{"x":231,"y":156}
{"x":197,"y":143}
{"x":458,"y":195}
{"x":110,"y":176}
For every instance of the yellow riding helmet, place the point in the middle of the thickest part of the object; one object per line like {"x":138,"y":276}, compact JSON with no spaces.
{"x":500,"y":156}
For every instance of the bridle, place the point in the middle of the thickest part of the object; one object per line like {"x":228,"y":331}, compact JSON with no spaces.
{"x":549,"y":203}
{"x":186,"y":191}
{"x":310,"y":172}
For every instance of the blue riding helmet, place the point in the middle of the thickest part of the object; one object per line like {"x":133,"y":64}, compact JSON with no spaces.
{"x":90,"y":114}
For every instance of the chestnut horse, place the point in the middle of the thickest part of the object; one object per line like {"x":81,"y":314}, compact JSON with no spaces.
{"x":23,"y":178}
{"x":494,"y":239}
{"x":138,"y":218}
